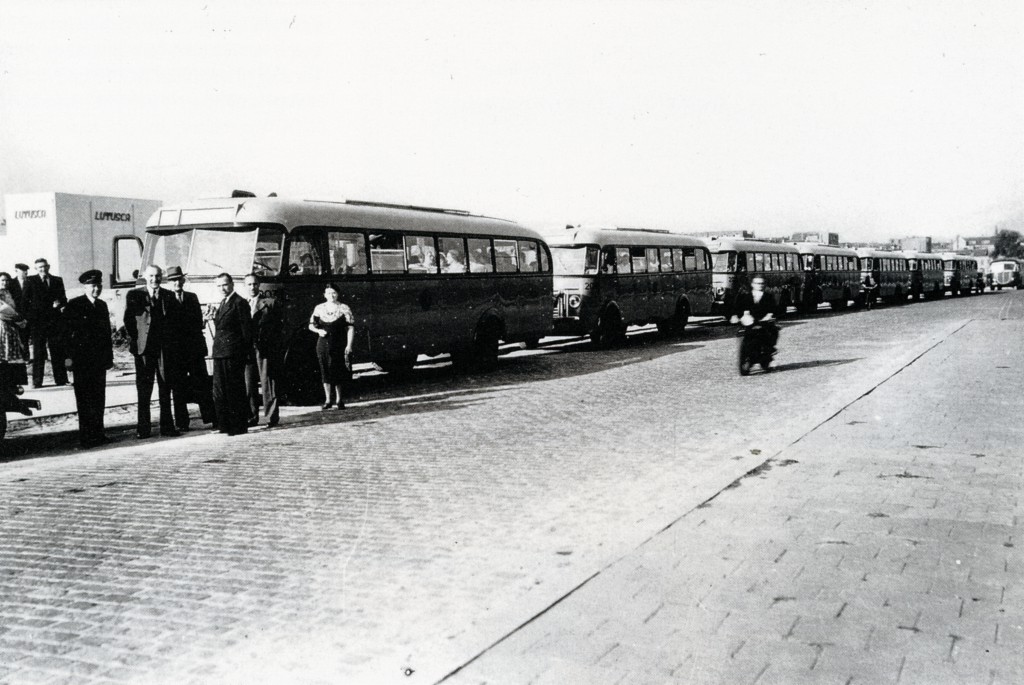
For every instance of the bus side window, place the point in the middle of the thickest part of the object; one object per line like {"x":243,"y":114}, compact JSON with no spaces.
{"x":348,"y":252}
{"x":608,"y":260}
{"x":706,"y":258}
{"x":266,"y":259}
{"x":480,"y":255}
{"x":420,"y":254}
{"x":453,"y":255}
{"x":545,"y":259}
{"x":638,"y":256}
{"x":386,"y":253}
{"x":652,"y":259}
{"x":304,"y":253}
{"x":505,"y":256}
{"x":666,"y":259}
{"x":689,"y":259}
{"x":622,"y":261}
{"x":528,"y":256}
{"x":677,"y":259}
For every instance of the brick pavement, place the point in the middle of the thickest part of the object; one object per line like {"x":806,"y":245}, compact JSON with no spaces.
{"x":394,"y":541}
{"x":883,"y":547}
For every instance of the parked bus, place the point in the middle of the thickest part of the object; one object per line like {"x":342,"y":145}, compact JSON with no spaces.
{"x":926,"y":276}
{"x":831,"y":274}
{"x":418,"y":280}
{"x":608,"y":279}
{"x":1004,"y":273}
{"x":735,"y":262}
{"x":891,"y":271}
{"x":959,"y":274}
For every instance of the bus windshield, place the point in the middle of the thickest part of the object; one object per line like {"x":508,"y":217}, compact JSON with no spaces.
{"x":725,"y":262}
{"x":208,"y":252}
{"x":575,"y":261}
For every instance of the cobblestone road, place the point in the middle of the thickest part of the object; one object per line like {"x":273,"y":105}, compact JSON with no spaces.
{"x":518,"y":524}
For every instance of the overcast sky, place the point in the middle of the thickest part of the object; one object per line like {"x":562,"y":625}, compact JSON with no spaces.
{"x":873,"y":119}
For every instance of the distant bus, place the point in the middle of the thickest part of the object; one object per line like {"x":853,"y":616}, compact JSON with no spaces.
{"x":419,"y":280}
{"x":959,"y":274}
{"x":1004,"y":273}
{"x":831,"y":274}
{"x":735,"y":262}
{"x":608,"y":279}
{"x":891,"y":271}
{"x":926,"y":276}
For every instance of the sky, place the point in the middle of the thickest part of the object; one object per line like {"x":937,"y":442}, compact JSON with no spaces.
{"x":873,"y":119}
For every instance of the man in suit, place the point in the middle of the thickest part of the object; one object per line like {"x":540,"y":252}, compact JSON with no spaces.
{"x":261,"y":372}
{"x":44,"y":299}
{"x":148,"y":313}
{"x":17,"y":289}
{"x":232,"y":348}
{"x":190,"y":354}
{"x":90,"y":354}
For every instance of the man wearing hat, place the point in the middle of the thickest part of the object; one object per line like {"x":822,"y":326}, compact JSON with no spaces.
{"x":44,"y":298}
{"x":17,"y":290}
{"x":193,"y":382}
{"x":90,"y":354}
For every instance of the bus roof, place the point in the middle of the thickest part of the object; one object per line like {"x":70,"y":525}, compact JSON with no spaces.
{"x":818,"y":248}
{"x":880,"y":254}
{"x":241,"y":212}
{"x":631,"y":237}
{"x":737,"y":245}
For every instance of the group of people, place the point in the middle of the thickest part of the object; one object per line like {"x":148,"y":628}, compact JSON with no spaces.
{"x":166,"y":331}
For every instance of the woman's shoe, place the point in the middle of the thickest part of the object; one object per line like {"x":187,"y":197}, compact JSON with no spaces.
{"x":340,"y":405}
{"x":327,"y":405}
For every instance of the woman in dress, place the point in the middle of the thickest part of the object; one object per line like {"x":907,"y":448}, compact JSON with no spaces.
{"x":11,"y":349}
{"x":334,"y":323}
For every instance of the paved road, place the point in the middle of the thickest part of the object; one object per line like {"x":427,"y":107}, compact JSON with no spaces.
{"x":633,"y":515}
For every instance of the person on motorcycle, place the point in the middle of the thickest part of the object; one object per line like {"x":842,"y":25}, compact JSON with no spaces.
{"x":758,"y":305}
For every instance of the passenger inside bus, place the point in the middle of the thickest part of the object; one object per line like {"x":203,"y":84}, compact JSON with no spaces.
{"x":454,"y":263}
{"x":479,"y":261}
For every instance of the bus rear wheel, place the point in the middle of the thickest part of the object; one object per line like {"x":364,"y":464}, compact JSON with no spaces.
{"x":398,"y":366}
{"x":609,"y":329}
{"x":483,"y":352}
{"x":676,"y":324}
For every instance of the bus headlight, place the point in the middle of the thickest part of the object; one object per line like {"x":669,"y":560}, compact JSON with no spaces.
{"x":574,"y":301}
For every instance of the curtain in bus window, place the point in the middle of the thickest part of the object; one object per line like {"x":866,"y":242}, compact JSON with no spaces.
{"x":652,"y":259}
{"x":387,"y":254}
{"x":480,"y":255}
{"x":689,"y":259}
{"x":666,"y":259}
{"x":528,"y":260}
{"x":544,"y":261}
{"x":347,"y":250}
{"x":505,"y":256}
{"x":453,"y":255}
{"x":420,"y":254}
{"x":266,"y":260}
{"x":622,"y":261}
{"x":678,"y":262}
{"x":638,"y":256}
{"x":752,"y":261}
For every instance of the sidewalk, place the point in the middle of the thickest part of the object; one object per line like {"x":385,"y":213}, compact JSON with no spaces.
{"x":59,"y":411}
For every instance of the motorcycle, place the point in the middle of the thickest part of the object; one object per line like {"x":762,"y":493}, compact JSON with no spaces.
{"x":13,"y":378}
{"x":755,"y":344}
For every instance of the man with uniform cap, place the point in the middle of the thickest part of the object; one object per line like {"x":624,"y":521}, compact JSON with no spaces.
{"x":17,"y":290}
{"x":90,"y":354}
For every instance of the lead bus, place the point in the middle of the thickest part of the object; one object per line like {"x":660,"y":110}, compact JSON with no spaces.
{"x":735,"y":262}
{"x":606,"y":279}
{"x":418,"y":280}
{"x":831,"y":274}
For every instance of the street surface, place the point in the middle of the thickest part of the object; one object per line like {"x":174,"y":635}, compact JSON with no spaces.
{"x":637,"y":515}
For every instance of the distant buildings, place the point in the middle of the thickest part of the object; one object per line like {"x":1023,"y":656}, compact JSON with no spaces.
{"x":820,"y":237}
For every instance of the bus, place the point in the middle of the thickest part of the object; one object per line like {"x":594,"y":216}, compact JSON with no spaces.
{"x":606,"y":279}
{"x":891,"y":271}
{"x":419,"y":280}
{"x":926,"y":277}
{"x":959,"y":274}
{"x":1004,"y":273}
{"x":735,"y":262}
{"x":831,"y":274}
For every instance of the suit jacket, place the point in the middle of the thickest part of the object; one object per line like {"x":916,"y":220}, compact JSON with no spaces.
{"x":187,"y":325}
{"x":267,"y":326}
{"x":39,"y":299}
{"x":18,"y":293}
{"x":234,"y":328}
{"x":148,"y":323}
{"x":87,"y":335}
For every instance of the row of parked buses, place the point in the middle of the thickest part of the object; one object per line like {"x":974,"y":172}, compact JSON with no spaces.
{"x":430,"y":281}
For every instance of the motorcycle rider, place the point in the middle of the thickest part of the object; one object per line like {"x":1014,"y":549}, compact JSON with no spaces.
{"x":758,"y":305}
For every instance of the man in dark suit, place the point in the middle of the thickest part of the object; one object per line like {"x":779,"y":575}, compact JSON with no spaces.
{"x":149,"y":310}
{"x":232,"y":348}
{"x":261,"y":372}
{"x":44,"y":299}
{"x":190,"y":354}
{"x":17,"y":289}
{"x":90,"y":354}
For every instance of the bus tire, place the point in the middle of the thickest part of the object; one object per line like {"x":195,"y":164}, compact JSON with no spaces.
{"x":398,"y":366}
{"x":609,"y":329}
{"x":532,"y":343}
{"x":3,"y":423}
{"x":483,"y":352}
{"x":676,"y":324}
{"x":838,"y":305}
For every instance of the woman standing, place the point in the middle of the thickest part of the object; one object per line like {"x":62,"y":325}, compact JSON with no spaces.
{"x":11,"y":321}
{"x":335,"y":324}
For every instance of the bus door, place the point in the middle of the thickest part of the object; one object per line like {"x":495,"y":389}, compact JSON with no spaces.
{"x":346,"y":266}
{"x":404,"y":301}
